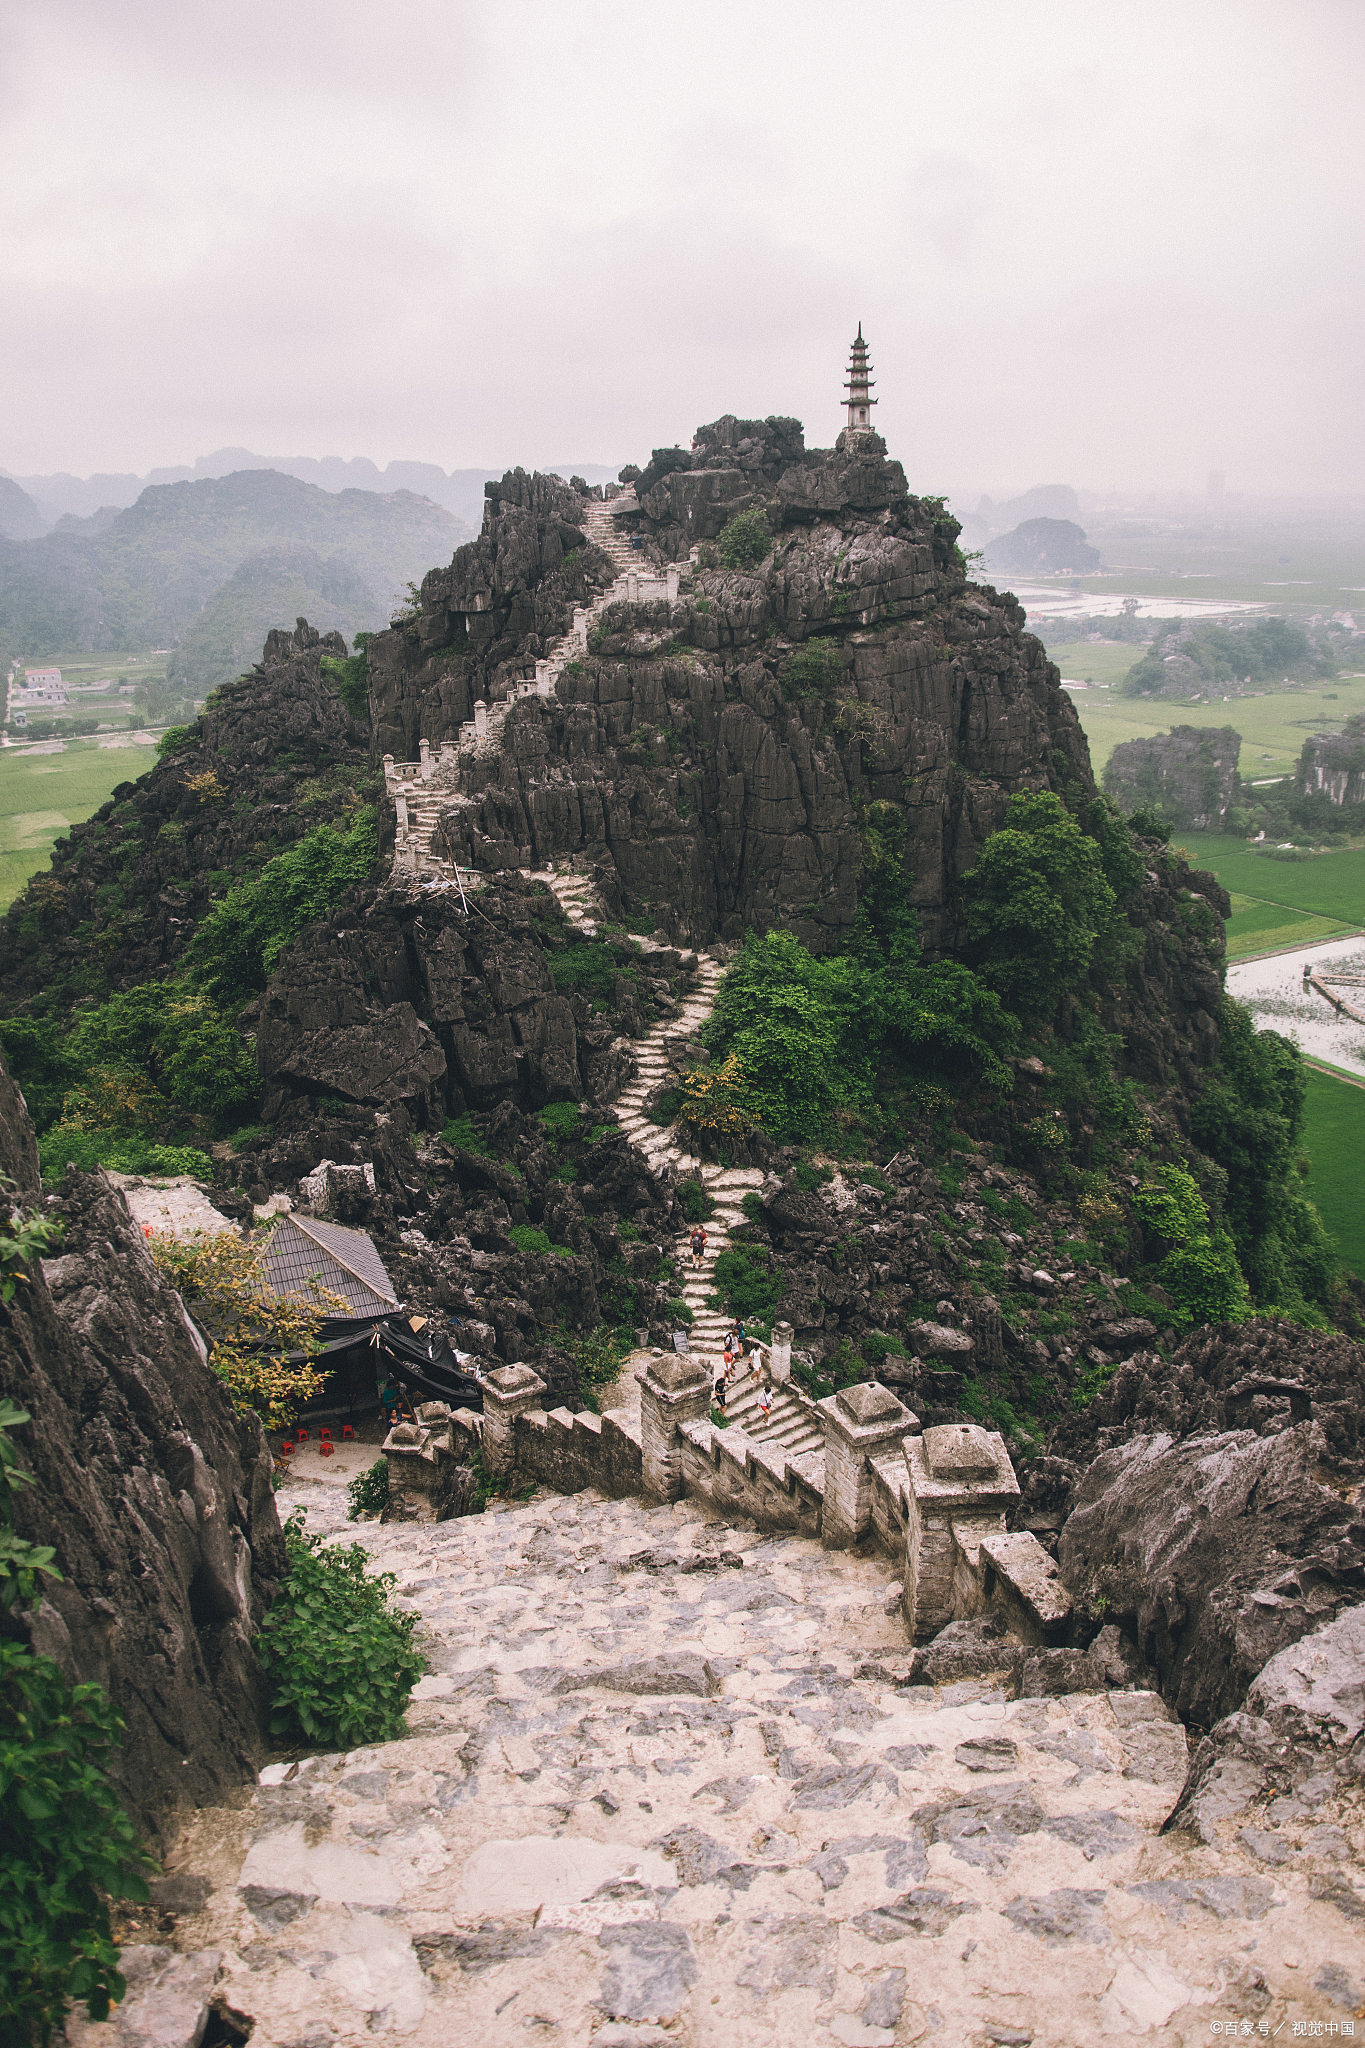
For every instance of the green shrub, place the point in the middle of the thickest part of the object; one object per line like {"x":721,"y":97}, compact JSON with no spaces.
{"x":1170,"y":1206}
{"x":561,"y":1121}
{"x":177,"y":1039}
{"x":599,"y":1357}
{"x":698,"y":1205}
{"x":744,"y":541}
{"x":350,"y":674}
{"x":678,"y":1311}
{"x":36,"y":1054}
{"x":589,"y":969}
{"x":241,"y":938}
{"x":810,"y":1035}
{"x":533,"y":1242}
{"x":71,"y":1848}
{"x":460,"y":1131}
{"x":876,"y":1347}
{"x":746,"y":1283}
{"x":1205,"y":1281}
{"x":174,"y":738}
{"x":120,"y":1152}
{"x":339,"y":1658}
{"x":369,"y":1493}
{"x":809,"y":1178}
{"x":1037,"y":901}
{"x":813,"y":670}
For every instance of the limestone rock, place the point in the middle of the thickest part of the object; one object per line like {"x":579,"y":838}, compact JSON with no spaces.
{"x":1214,"y":1554}
{"x":158,"y":1501}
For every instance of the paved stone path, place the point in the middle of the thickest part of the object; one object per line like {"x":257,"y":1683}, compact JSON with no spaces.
{"x":647,"y":1797}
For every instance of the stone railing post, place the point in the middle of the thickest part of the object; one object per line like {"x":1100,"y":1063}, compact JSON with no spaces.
{"x":780,"y":1352}
{"x":961,"y":1485}
{"x":480,"y":718}
{"x":400,"y":805}
{"x":632,"y":586}
{"x":389,"y":777}
{"x":857,"y":1421}
{"x":425,"y":761}
{"x":673,"y":1390}
{"x":510,"y":1391}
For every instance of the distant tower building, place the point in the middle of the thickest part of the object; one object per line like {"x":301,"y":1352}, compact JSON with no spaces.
{"x":859,"y":387}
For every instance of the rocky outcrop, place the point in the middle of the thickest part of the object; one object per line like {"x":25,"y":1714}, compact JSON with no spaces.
{"x":1265,"y":1375}
{"x":485,"y":618}
{"x":273,"y":755}
{"x":1189,"y":773}
{"x":155,"y":1496}
{"x":1333,"y":764}
{"x":1213,"y":1554}
{"x":1286,"y":1758}
{"x":1041,"y":547}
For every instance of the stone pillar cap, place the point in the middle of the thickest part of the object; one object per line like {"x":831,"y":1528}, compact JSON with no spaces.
{"x":673,"y":1371}
{"x":514,"y":1379}
{"x":869,"y":1401}
{"x":960,"y":1450}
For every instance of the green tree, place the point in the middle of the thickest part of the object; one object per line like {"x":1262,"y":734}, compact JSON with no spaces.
{"x":745,"y":541}
{"x":1037,"y":900}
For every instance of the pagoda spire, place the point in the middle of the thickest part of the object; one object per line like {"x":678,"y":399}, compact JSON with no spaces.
{"x":859,"y":386}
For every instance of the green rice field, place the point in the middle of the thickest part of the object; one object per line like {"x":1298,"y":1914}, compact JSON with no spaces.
{"x":41,"y":795}
{"x":1334,"y":1138}
{"x":1279,"y":903}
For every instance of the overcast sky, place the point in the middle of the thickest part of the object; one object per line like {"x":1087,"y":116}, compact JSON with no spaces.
{"x":1108,"y":243}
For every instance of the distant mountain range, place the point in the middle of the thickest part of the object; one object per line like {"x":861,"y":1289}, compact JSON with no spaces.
{"x":209,"y":567}
{"x":32,"y":505}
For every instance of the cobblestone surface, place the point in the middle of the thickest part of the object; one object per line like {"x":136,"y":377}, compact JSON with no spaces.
{"x":646,"y":1797}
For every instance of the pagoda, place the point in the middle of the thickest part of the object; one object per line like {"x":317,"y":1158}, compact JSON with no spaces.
{"x":859,"y":387}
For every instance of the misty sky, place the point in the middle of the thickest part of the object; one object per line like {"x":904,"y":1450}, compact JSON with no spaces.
{"x":1113,"y":244}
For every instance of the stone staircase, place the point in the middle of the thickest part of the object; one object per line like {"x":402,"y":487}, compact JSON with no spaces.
{"x":661,"y":1785}
{"x":422,"y":789}
{"x":789,"y":1423}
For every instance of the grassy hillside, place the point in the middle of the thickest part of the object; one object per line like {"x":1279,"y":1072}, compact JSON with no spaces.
{"x":146,"y":578}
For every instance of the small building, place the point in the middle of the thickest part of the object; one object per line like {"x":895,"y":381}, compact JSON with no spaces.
{"x":305,"y":1254}
{"x":39,"y":686}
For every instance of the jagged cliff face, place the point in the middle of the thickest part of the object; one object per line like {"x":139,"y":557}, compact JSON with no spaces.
{"x":503,"y":597}
{"x":689,"y":766}
{"x":1333,"y":764}
{"x":714,"y":770}
{"x":155,"y":1496}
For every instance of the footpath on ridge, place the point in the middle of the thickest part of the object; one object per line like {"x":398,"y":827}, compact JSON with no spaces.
{"x":790,"y":1422}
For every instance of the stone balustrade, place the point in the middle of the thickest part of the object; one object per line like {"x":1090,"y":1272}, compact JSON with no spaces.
{"x":936,"y":1504}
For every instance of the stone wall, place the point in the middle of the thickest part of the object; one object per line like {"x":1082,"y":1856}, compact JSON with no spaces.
{"x":935,"y":1505}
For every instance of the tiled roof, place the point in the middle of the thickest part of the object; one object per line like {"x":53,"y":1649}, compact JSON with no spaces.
{"x":304,"y":1253}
